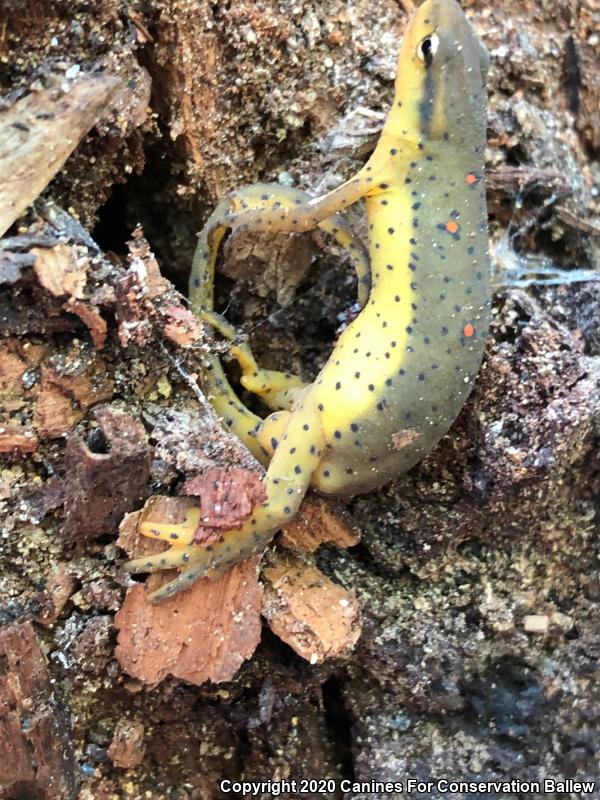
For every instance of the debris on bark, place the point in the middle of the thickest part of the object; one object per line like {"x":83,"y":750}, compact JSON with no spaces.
{"x":316,"y":617}
{"x":106,"y":475}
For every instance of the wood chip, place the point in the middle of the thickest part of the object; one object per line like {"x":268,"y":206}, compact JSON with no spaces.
{"x":91,"y":317}
{"x":126,"y":749}
{"x":39,"y":132}
{"x":319,"y":521}
{"x":17,"y":440}
{"x":202,"y":634}
{"x":317,"y":618}
{"x":64,"y":399}
{"x":60,"y":270}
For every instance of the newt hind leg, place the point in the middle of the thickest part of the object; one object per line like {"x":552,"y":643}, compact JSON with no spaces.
{"x":279,"y":390}
{"x":286,"y":482}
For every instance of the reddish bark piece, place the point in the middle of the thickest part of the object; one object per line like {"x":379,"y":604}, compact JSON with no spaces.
{"x":15,"y":440}
{"x":60,"y":586}
{"x":35,"y":740}
{"x":142,"y":282}
{"x":319,"y":521}
{"x":202,"y":634}
{"x":181,"y":326}
{"x":227,"y":497}
{"x":64,"y":399}
{"x":317,"y":618}
{"x":102,"y":486}
{"x":126,"y":749}
{"x":143,"y":261}
{"x":91,"y":318}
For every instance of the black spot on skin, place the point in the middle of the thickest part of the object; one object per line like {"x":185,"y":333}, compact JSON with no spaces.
{"x":297,"y":469}
{"x":353,"y":427}
{"x":274,"y":443}
{"x":326,"y":473}
{"x":371,"y":387}
{"x":416,"y":206}
{"x":320,"y":406}
{"x":407,"y":180}
{"x":338,"y":385}
{"x":349,"y":471}
{"x":421,"y":376}
{"x":391,"y":231}
{"x":287,"y":510}
{"x":357,"y":374}
{"x":389,"y":266}
{"x":397,"y":298}
{"x":470,"y":250}
{"x":305,"y":427}
{"x":196,"y":282}
{"x":337,"y":434}
{"x":388,"y":382}
{"x":292,"y":450}
{"x":393,"y":151}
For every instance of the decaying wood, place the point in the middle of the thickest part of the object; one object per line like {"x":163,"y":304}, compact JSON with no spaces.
{"x":100,"y":487}
{"x":37,"y":758}
{"x":319,"y":521}
{"x":317,"y":618}
{"x":39,"y":132}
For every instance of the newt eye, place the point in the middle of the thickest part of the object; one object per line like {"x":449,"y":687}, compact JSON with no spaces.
{"x":428,"y":47}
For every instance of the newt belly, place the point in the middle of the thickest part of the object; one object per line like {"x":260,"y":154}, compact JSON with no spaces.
{"x":402,"y":370}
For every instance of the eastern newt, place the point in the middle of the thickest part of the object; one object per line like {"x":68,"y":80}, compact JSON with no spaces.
{"x":402,"y":370}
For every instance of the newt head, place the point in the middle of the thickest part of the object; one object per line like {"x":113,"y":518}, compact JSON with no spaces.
{"x":440,"y":80}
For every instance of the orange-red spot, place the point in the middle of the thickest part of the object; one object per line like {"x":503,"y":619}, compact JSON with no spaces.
{"x":452,"y":226}
{"x":471,"y":178}
{"x":468,"y":330}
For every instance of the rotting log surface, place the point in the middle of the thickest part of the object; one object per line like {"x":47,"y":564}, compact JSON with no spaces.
{"x":476,"y":574}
